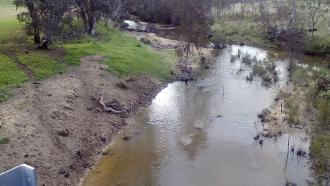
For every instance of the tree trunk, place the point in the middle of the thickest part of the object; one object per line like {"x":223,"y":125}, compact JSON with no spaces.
{"x":92,"y":25}
{"x":36,"y":33}
{"x":84,"y":20}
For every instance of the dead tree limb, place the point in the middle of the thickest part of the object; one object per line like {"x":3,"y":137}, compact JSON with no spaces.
{"x":108,"y":109}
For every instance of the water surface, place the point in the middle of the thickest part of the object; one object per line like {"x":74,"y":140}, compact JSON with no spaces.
{"x":202,"y":135}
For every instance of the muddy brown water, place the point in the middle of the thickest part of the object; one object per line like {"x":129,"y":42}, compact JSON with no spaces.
{"x":197,"y":136}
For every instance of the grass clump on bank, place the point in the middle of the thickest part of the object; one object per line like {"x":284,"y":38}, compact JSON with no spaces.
{"x":292,"y":111}
{"x":320,"y":147}
{"x":42,"y":66}
{"x":316,"y":87}
{"x":124,"y":55}
{"x":4,"y":140}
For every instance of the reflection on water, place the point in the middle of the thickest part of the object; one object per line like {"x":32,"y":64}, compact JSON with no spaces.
{"x":202,"y":134}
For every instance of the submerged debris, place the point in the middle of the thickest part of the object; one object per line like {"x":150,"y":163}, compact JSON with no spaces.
{"x":290,"y":184}
{"x":301,"y":153}
{"x":257,"y":137}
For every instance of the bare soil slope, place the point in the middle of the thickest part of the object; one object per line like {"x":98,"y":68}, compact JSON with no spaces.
{"x":58,"y":126}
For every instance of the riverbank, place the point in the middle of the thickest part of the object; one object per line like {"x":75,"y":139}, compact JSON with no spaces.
{"x":234,"y":28}
{"x":304,"y":105}
{"x":57,"y":124}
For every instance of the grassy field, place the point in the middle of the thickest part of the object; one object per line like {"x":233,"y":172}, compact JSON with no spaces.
{"x":235,"y":30}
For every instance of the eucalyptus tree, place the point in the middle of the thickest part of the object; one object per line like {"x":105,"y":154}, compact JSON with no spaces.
{"x":43,"y":17}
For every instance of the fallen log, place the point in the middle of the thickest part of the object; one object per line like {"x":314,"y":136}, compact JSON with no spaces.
{"x":108,"y":109}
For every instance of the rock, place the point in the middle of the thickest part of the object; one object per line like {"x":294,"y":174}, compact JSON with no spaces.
{"x":63,"y":133}
{"x":86,"y":165}
{"x":66,"y":175}
{"x":249,"y":77}
{"x":300,"y":127}
{"x":80,"y":154}
{"x":59,"y":115}
{"x":104,"y":152}
{"x":301,"y":153}
{"x":152,"y":29}
{"x":67,"y":107}
{"x":70,"y":101}
{"x":62,"y":171}
{"x":264,"y":120}
{"x":264,"y":114}
{"x":257,"y":137}
{"x":126,"y":138}
{"x":219,"y":45}
{"x":145,"y":41}
{"x":219,"y":116}
{"x":292,"y":148}
{"x":241,"y":43}
{"x":122,"y":85}
{"x":261,"y":142}
{"x":90,"y":108}
{"x":103,"y":138}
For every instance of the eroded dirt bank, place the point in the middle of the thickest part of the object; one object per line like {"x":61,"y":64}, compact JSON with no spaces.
{"x":58,"y":126}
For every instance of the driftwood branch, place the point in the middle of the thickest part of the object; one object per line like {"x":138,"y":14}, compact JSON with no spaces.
{"x":108,"y":109}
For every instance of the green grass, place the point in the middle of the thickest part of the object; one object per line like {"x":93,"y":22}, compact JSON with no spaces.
{"x":6,"y":2}
{"x":247,"y":29}
{"x":8,"y":9}
{"x":292,"y":111}
{"x":4,"y":140}
{"x":235,"y":30}
{"x":123,"y":54}
{"x":42,"y":65}
{"x":11,"y":33}
{"x":10,"y":75}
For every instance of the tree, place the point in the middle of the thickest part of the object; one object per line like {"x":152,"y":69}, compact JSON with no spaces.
{"x":43,"y":17}
{"x":314,"y":9}
{"x":194,"y":17}
{"x":31,"y":17}
{"x":91,"y":11}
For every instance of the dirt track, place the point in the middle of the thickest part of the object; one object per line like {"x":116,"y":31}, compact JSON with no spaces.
{"x":57,"y":125}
